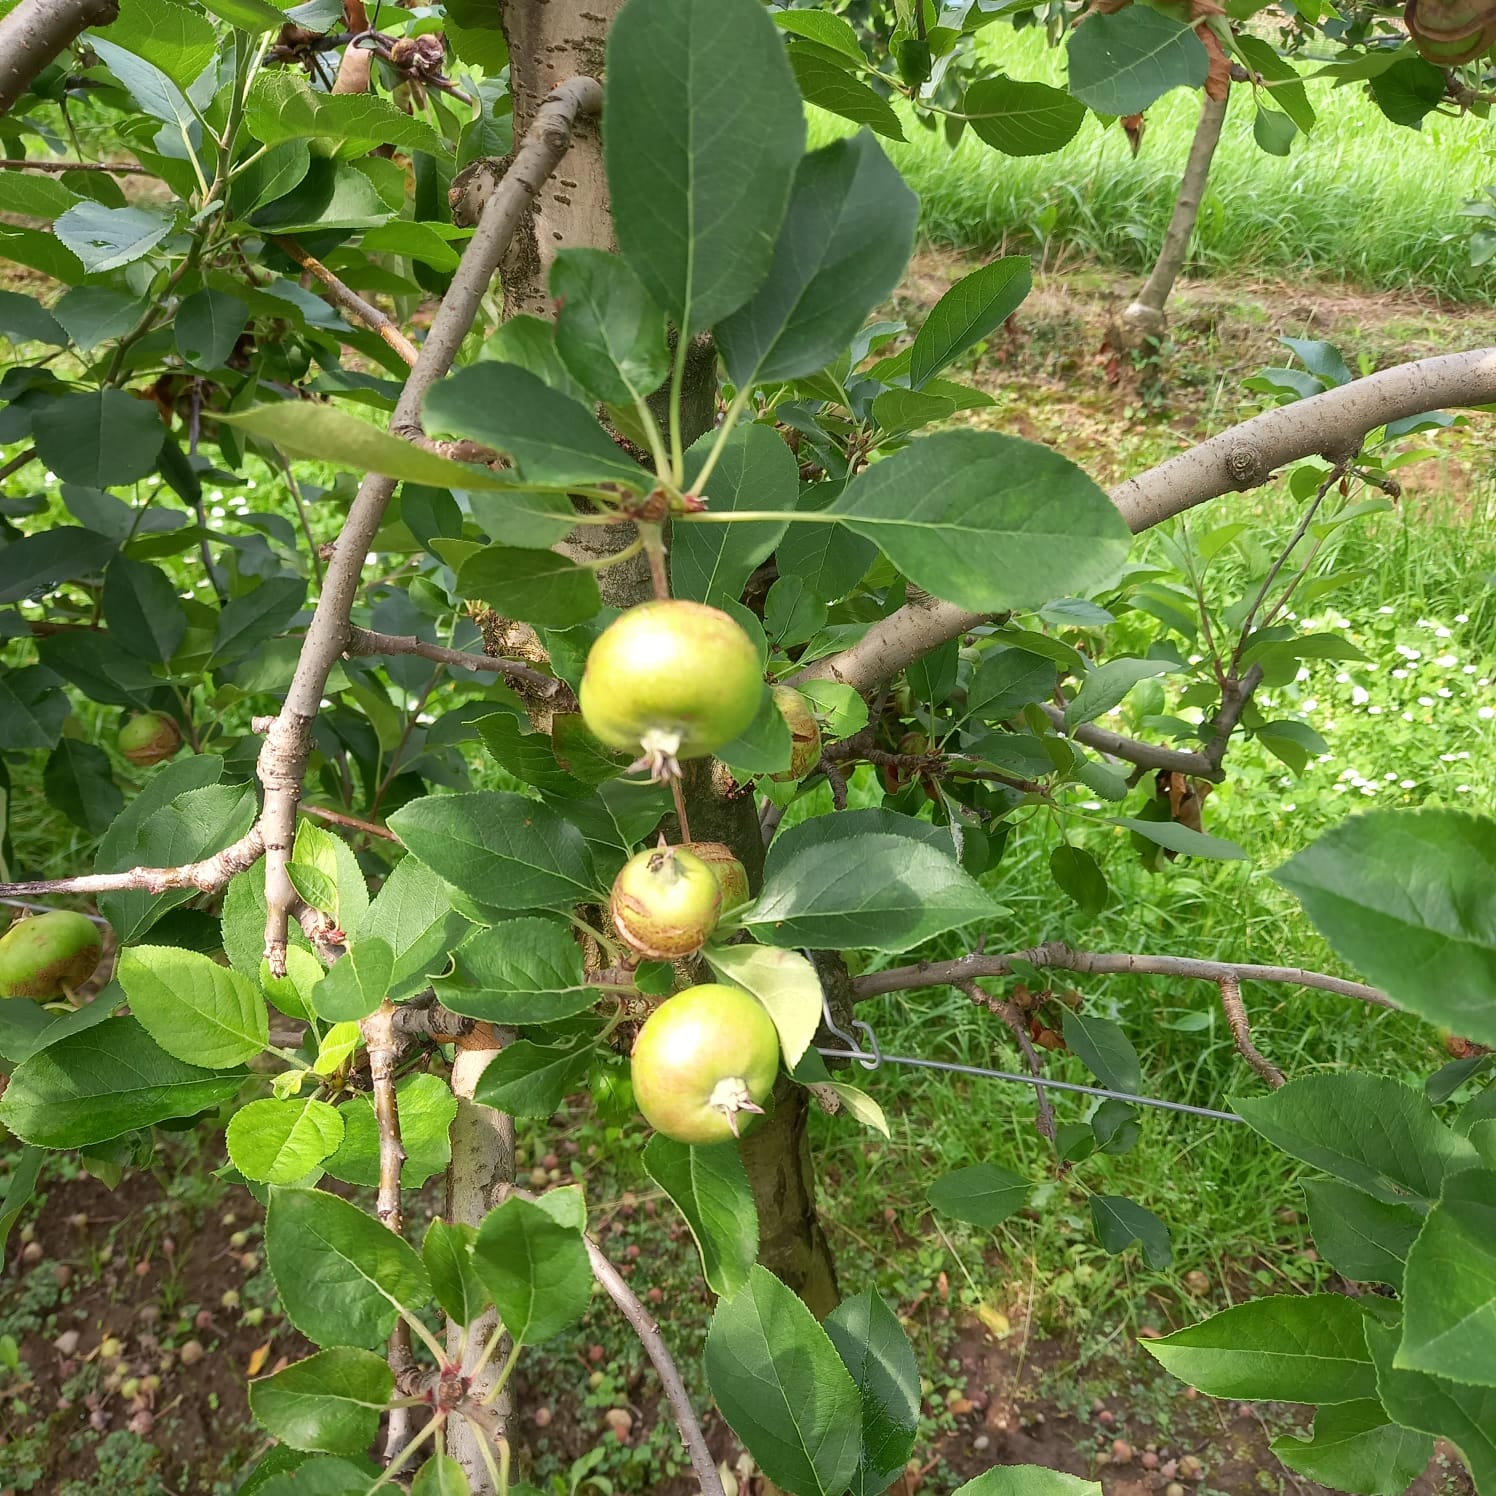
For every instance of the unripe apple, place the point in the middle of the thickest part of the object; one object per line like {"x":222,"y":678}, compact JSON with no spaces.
{"x":674,"y":678}
{"x":731,"y":875}
{"x":148,"y":738}
{"x":805,"y":733}
{"x":48,"y":955}
{"x":666,"y":903}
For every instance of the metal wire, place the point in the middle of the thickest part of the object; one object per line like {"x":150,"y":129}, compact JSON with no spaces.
{"x":871,"y":1061}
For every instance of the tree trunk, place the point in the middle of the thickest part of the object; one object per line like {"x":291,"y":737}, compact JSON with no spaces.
{"x":1145,"y":317}
{"x":36,"y":31}
{"x":482,"y":1162}
{"x":549,"y":40}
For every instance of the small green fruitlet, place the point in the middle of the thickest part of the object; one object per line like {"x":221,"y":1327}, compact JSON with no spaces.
{"x":148,"y":738}
{"x":666,"y":903}
{"x":48,"y":955}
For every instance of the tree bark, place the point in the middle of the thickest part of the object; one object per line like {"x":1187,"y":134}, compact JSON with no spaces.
{"x":550,"y":39}
{"x":36,"y":31}
{"x":1146,"y":318}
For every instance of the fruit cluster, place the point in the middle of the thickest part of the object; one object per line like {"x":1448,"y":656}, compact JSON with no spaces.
{"x":679,"y":680}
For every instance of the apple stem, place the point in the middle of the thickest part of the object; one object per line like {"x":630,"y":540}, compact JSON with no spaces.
{"x":680,"y":809}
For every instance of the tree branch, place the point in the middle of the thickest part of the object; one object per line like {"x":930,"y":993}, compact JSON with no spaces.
{"x":368,"y":642}
{"x":354,"y":309}
{"x":659,"y":1353}
{"x":115,"y":168}
{"x":209,"y":874}
{"x":1058,"y":956}
{"x":1332,"y":424}
{"x":287,"y":745}
{"x":35,"y":32}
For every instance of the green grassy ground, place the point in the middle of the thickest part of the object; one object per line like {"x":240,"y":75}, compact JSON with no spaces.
{"x":1360,"y":199}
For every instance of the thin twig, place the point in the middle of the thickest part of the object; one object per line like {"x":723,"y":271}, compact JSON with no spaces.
{"x":368,"y":642}
{"x":355,"y":310}
{"x":1241,"y":1032}
{"x":1044,"y":1111}
{"x":119,"y":169}
{"x":209,"y":874}
{"x":322,"y":813}
{"x":649,"y":1335}
{"x":283,"y":758}
{"x":1060,"y":957}
{"x":17,"y":462}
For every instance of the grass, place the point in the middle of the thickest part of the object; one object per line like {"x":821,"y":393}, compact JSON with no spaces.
{"x":1359,"y":200}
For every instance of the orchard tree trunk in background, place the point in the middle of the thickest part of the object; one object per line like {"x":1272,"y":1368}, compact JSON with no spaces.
{"x":1145,"y":317}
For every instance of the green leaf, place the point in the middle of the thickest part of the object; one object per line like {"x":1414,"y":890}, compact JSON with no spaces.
{"x":282,"y":105}
{"x":1104,"y":1048}
{"x":302,"y":428}
{"x":1356,"y":1447}
{"x":1404,"y":896}
{"x":107,"y":238}
{"x":280,"y":1141}
{"x":23,"y":320}
{"x":982,"y":1195}
{"x":535,"y":1268}
{"x":27,"y":1028}
{"x":343,"y":1278}
{"x":543,"y":588}
{"x":448,"y":1254}
{"x":103,"y":1082}
{"x":831,"y":87}
{"x":1273,"y":130}
{"x":1106,"y":685}
{"x":709,"y":1186}
{"x":711,"y":562}
{"x":79,"y":781}
{"x":1119,"y":1222}
{"x":99,"y":438}
{"x":1449,"y":1289}
{"x":1286,"y":1348}
{"x":94,"y":315}
{"x":977,"y":305}
{"x":207,"y":326}
{"x":25,"y":1167}
{"x":987,"y":521}
{"x":843,"y":246}
{"x":248,"y":621}
{"x":782,"y":1387}
{"x":696,"y":221}
{"x":876,"y":890}
{"x":1291,"y":96}
{"x":1408,"y":90}
{"x":552,"y":439}
{"x":142,"y":609}
{"x":357,"y":982}
{"x":253,"y":16}
{"x":37,"y":563}
{"x":1361,"y":1237}
{"x":169,"y":823}
{"x":520,"y":971}
{"x":1368,"y":1130}
{"x":413,"y":912}
{"x":1020,"y":118}
{"x":441,"y":1475}
{"x":783,"y":981}
{"x":195,"y":1009}
{"x":1027,"y":1480}
{"x":427,"y":1110}
{"x":532,"y":1080}
{"x":874,"y":1348}
{"x":1080,"y":878}
{"x":1119,"y":64}
{"x":1451,"y":1410}
{"x":322,"y":1475}
{"x":330,"y":1402}
{"x":171,"y":37}
{"x":1182,"y":839}
{"x":609,"y":334}
{"x":504,"y":850}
